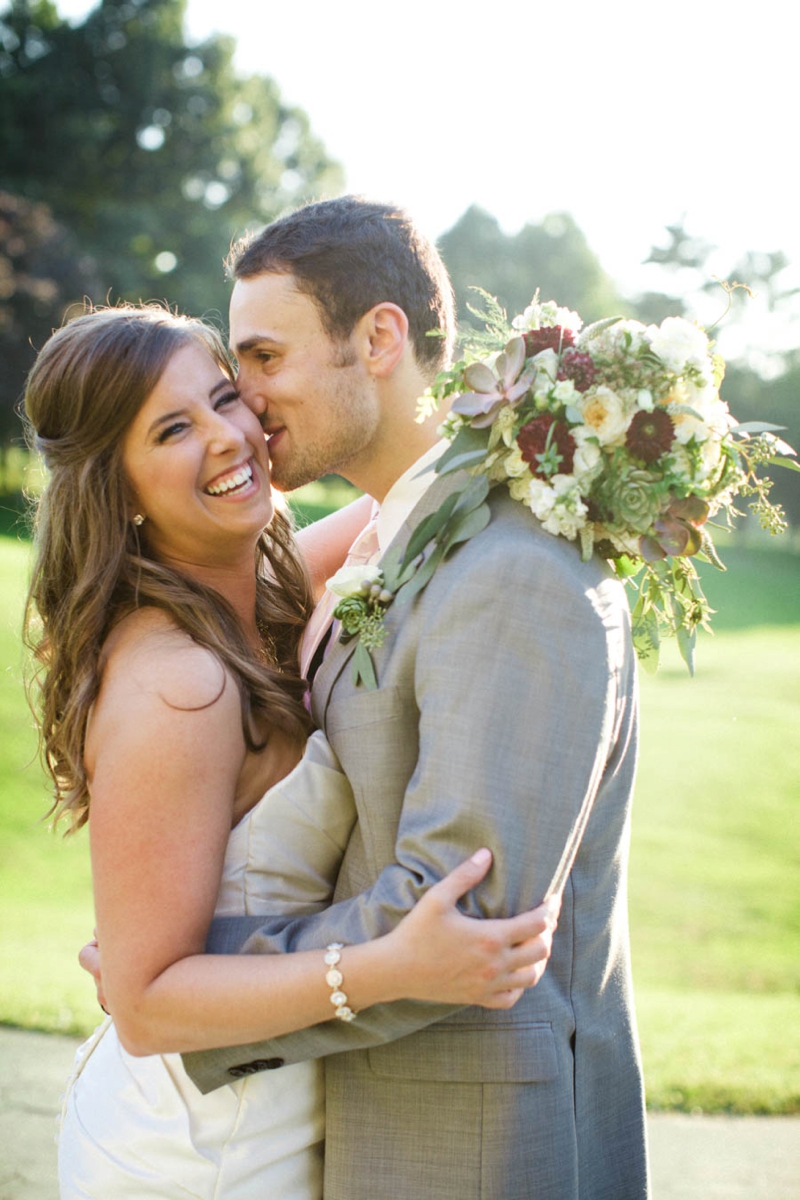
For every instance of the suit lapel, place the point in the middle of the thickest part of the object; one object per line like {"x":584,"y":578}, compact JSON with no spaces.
{"x":339,"y":654}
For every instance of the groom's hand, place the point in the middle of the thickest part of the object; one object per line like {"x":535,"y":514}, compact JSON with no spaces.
{"x":89,"y":958}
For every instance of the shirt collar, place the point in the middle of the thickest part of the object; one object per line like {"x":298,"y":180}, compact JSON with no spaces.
{"x":404,"y":495}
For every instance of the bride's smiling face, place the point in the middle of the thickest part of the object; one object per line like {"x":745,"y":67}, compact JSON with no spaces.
{"x":197,"y":461}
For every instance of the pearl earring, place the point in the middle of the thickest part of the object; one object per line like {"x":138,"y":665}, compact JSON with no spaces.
{"x":138,"y":519}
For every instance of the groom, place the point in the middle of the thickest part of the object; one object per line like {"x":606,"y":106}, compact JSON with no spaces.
{"x":505,"y":717}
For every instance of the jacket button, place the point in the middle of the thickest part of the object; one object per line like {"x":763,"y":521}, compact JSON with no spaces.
{"x":252,"y":1068}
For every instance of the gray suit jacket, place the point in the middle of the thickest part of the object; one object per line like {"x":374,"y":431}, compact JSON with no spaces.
{"x":506,"y":716}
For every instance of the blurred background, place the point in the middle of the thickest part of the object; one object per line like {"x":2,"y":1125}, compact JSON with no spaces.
{"x":621,"y":158}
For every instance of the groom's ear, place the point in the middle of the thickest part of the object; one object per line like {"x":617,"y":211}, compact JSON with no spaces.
{"x":382,"y":334}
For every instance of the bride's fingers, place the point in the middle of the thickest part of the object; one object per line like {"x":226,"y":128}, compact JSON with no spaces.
{"x":505,"y":999}
{"x":527,"y":954}
{"x":463,"y":878}
{"x":531,"y":924}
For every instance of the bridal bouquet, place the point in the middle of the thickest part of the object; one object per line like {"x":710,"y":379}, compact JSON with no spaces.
{"x":615,"y":437}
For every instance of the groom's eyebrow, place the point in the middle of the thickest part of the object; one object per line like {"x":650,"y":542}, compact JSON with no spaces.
{"x":257,"y":339}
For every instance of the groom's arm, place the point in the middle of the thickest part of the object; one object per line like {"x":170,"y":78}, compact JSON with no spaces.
{"x":518,"y":672}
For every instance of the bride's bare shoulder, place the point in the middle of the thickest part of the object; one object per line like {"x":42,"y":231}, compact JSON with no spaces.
{"x":147,"y":655}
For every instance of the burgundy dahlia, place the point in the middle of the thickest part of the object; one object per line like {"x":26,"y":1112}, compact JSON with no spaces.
{"x":554,"y":338}
{"x":650,"y":434}
{"x":579,"y":367}
{"x":533,"y":441}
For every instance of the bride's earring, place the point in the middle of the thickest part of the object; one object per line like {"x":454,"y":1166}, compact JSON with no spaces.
{"x":138,"y":519}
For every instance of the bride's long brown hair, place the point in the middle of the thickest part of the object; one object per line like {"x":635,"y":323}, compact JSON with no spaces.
{"x":92,"y":565}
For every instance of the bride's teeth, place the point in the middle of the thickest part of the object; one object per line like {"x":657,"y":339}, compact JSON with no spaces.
{"x":243,"y":475}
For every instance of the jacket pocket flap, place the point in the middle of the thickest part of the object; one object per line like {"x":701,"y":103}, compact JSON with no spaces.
{"x":524,"y":1053}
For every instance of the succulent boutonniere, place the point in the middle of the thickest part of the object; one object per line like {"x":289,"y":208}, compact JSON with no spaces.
{"x":367,"y":592}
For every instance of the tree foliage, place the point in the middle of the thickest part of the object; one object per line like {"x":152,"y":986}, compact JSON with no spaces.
{"x":553,"y":257}
{"x":151,"y":152}
{"x":41,"y":272}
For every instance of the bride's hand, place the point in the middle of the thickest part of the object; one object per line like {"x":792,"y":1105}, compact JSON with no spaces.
{"x":454,"y":959}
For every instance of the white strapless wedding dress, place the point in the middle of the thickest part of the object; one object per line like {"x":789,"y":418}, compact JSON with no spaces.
{"x":134,"y":1128}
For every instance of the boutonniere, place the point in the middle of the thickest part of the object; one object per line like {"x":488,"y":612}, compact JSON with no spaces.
{"x":367,"y":592}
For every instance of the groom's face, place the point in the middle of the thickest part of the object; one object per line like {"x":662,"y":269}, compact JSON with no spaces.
{"x":315,"y":397}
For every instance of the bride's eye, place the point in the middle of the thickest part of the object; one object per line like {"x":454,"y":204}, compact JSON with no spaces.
{"x":170,"y":430}
{"x":228,"y":398}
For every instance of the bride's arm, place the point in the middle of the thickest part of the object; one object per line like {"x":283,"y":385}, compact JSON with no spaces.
{"x":324,"y":544}
{"x":164,"y":752}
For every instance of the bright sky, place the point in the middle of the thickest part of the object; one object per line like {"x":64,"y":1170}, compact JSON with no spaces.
{"x":627,"y":113}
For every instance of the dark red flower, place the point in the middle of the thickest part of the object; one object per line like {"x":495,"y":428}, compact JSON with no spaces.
{"x":579,"y":367}
{"x":554,"y":338}
{"x":533,"y":440}
{"x":650,"y":434}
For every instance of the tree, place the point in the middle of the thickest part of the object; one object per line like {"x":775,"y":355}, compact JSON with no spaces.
{"x":41,"y":273}
{"x":553,"y":257}
{"x":151,"y":152}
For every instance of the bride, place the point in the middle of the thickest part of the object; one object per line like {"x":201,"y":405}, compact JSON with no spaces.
{"x":165,"y":612}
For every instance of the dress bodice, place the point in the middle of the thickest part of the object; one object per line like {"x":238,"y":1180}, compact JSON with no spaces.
{"x":283,"y":856}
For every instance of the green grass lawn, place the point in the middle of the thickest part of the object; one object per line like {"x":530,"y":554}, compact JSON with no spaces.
{"x":713,"y":862}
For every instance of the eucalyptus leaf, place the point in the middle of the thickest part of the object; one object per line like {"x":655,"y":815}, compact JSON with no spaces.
{"x":470,"y":523}
{"x":780,"y":461}
{"x":469,"y":458}
{"x":421,"y":577}
{"x":473,"y":494}
{"x":395,"y":573}
{"x":756,"y":427}
{"x":465,"y":440}
{"x":363,"y":669}
{"x":427,"y":530}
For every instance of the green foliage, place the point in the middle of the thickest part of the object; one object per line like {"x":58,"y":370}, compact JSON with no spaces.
{"x":553,"y":257}
{"x":151,"y":152}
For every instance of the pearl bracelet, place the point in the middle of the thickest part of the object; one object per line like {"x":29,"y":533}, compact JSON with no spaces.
{"x":334,"y":980}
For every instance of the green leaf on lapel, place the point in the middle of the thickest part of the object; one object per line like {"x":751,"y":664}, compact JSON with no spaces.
{"x":468,"y":446}
{"x":395,"y":570}
{"x":473,"y":494}
{"x":426,"y":530}
{"x":470,"y":523}
{"x":363,"y":668}
{"x":421,"y":577}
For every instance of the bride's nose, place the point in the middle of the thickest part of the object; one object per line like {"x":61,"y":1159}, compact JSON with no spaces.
{"x":223,"y":435}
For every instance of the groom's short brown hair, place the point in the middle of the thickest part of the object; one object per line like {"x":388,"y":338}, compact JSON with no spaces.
{"x":350,"y":254}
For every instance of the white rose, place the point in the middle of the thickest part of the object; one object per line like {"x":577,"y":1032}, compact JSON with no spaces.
{"x":605,"y":413}
{"x":350,"y":581}
{"x":587,"y":456}
{"x":678,"y":344}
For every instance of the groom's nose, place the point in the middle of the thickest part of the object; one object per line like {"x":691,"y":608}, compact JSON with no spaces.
{"x":252,"y":397}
